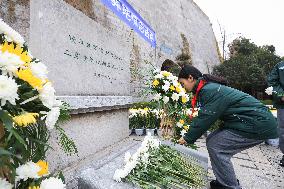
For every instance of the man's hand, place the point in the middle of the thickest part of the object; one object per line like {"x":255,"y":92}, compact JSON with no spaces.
{"x":181,"y":141}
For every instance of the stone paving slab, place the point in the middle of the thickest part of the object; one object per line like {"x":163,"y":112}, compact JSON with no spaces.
{"x":256,"y":168}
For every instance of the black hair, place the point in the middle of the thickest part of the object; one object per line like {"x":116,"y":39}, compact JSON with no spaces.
{"x":188,"y":70}
{"x":170,"y":66}
{"x":167,"y":65}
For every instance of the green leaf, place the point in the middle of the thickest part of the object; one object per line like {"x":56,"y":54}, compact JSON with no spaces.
{"x":19,"y":138}
{"x":61,"y":176}
{"x":4,"y":152}
{"x":7,"y":120}
{"x":8,"y":124}
{"x":67,"y":144}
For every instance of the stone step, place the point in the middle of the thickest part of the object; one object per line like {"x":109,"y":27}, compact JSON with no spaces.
{"x":98,"y":173}
{"x":97,"y":160}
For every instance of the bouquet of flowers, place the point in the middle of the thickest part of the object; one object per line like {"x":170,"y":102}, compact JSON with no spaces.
{"x":173,"y":99}
{"x":29,"y":110}
{"x":158,"y":166}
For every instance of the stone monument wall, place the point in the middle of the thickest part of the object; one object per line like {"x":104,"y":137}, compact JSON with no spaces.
{"x":98,"y":64}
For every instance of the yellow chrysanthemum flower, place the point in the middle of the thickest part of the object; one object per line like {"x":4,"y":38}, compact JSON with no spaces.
{"x":34,"y":187}
{"x":17,"y":51}
{"x":178,"y":89}
{"x":181,"y":121}
{"x":184,"y":99}
{"x":166,"y":74}
{"x":172,"y":87}
{"x":25,"y":119}
{"x":185,"y":128}
{"x":26,"y":75}
{"x":44,"y":168}
{"x":155,"y":82}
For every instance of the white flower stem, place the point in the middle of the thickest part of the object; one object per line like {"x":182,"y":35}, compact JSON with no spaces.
{"x":29,"y":100}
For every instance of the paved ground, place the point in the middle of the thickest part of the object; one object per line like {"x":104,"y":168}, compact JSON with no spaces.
{"x":256,"y":168}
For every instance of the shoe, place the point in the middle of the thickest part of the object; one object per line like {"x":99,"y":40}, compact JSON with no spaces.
{"x":214,"y":184}
{"x":282,"y":161}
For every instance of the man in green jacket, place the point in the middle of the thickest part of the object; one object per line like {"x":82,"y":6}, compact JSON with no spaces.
{"x":276,"y":80}
{"x":247,"y":122}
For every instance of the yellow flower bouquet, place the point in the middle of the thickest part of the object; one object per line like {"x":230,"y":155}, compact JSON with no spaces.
{"x":29,"y":110}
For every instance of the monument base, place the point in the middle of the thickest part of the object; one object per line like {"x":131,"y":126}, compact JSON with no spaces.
{"x":91,"y":133}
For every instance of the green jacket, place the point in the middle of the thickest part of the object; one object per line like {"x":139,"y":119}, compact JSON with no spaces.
{"x":241,"y":113}
{"x":276,"y":80}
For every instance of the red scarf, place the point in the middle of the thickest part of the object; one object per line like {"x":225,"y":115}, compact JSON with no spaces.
{"x":194,"y":99}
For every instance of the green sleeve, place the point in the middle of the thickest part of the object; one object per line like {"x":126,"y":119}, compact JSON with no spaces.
{"x":214,"y":106}
{"x":273,"y":80}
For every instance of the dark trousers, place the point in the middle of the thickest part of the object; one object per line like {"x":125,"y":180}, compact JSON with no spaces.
{"x":221,"y":146}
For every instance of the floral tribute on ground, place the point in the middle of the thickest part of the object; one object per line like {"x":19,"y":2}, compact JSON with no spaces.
{"x":29,"y":110}
{"x":158,"y":166}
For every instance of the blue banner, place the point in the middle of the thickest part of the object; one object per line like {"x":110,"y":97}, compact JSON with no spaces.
{"x":126,"y":13}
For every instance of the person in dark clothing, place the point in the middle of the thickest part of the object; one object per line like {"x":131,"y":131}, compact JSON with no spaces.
{"x":276,"y":80}
{"x":247,"y":122}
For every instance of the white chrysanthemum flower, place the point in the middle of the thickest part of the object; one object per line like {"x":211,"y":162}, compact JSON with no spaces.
{"x":144,"y":147}
{"x":11,"y":34}
{"x":155,"y":143}
{"x":140,"y":156}
{"x":167,"y":82}
{"x":165,"y":87}
{"x":166,"y":99}
{"x":129,"y":167}
{"x":186,"y":97}
{"x":182,"y":93}
{"x":195,"y":113}
{"x":9,"y":63}
{"x":143,"y":112}
{"x":127,"y":157}
{"x":145,"y":158}
{"x":183,"y":132}
{"x":133,"y":112}
{"x":157,"y":97}
{"x":47,"y":95}
{"x":173,"y":78}
{"x":39,"y":70}
{"x":52,"y":183}
{"x":118,"y":175}
{"x":132,"y":115}
{"x":52,"y":117}
{"x":8,"y":90}
{"x":156,"y":112}
{"x":269,"y":90}
{"x":158,"y":76}
{"x":28,"y":170}
{"x":5,"y":184}
{"x":57,"y":103}
{"x":175,"y":96}
{"x":179,"y":124}
{"x":175,"y":83}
